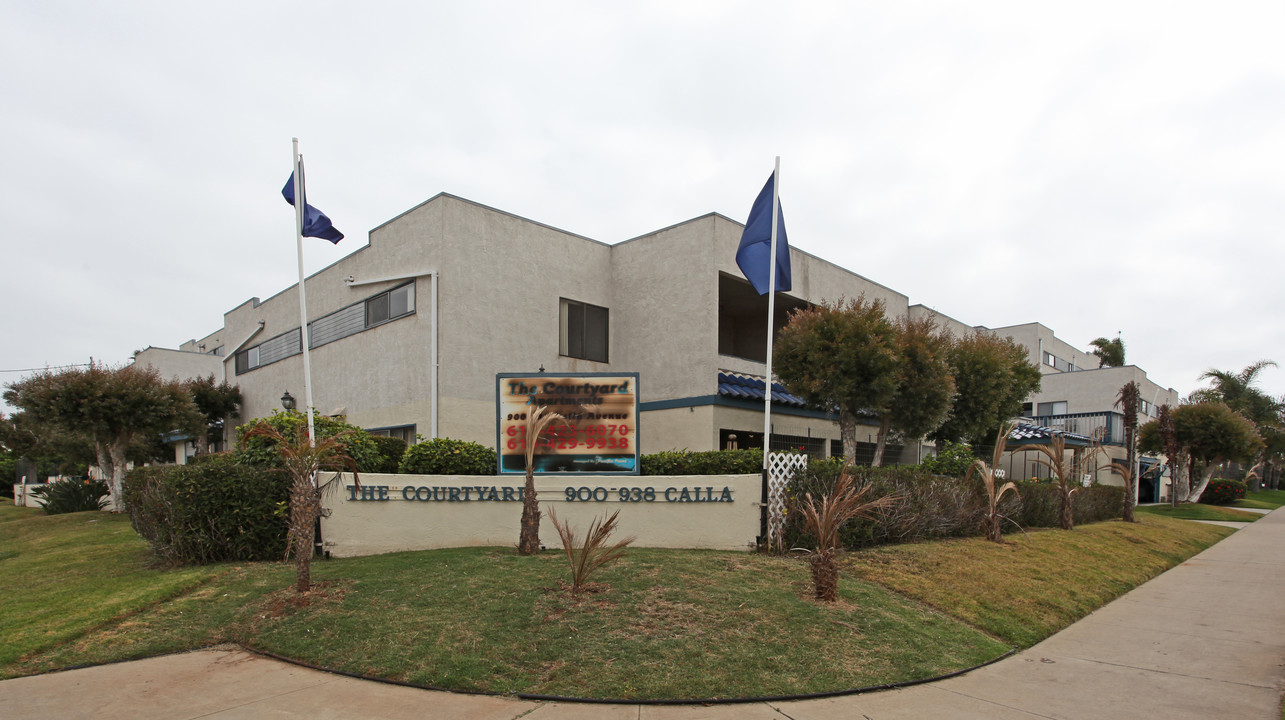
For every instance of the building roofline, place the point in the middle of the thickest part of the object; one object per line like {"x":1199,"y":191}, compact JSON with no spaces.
{"x":474,"y":203}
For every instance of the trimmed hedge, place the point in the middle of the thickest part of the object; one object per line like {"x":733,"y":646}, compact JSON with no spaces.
{"x":713,"y":462}
{"x":445,"y":456}
{"x":211,"y":511}
{"x":1041,"y":504}
{"x":1222,"y":491}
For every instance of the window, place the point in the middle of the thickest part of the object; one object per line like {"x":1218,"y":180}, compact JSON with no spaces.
{"x":583,"y":331}
{"x":269,"y":351}
{"x":1052,"y":408}
{"x":362,"y":315}
{"x":1054,"y":361}
{"x":390,"y":305}
{"x":404,"y":432}
{"x":247,"y":360}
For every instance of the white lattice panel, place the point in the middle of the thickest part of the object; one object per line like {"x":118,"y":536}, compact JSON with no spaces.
{"x":780,"y":470}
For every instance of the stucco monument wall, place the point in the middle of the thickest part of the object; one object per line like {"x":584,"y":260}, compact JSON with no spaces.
{"x":390,"y":513}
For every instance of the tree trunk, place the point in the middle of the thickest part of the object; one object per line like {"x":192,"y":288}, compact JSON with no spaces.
{"x":1131,"y":487}
{"x":305,"y":508}
{"x":119,"y":463}
{"x":825,"y":574}
{"x":529,"y":538}
{"x":885,"y":426}
{"x":848,"y":433}
{"x":1205,"y":476}
{"x":105,"y":466}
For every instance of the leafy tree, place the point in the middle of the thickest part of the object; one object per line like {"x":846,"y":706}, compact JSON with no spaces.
{"x":1110,"y":353}
{"x":303,"y":459}
{"x":1213,"y":433}
{"x":1205,"y":433}
{"x":218,"y":403}
{"x":1237,"y":390}
{"x":992,"y":379}
{"x":52,"y":450}
{"x":842,"y":356}
{"x":925,"y":386}
{"x":1127,"y":401}
{"x":111,"y":406}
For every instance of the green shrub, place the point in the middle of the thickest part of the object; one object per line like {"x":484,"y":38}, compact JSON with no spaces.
{"x":954,"y":459}
{"x":391,"y":450}
{"x":212,"y":511}
{"x":713,"y":462}
{"x":69,"y":496}
{"x":1221,"y":491}
{"x":260,"y":451}
{"x":445,"y":456}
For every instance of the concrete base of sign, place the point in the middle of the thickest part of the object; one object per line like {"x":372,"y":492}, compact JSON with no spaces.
{"x":389,"y":513}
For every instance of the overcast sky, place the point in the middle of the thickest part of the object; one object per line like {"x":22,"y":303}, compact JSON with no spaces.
{"x":1098,"y":167}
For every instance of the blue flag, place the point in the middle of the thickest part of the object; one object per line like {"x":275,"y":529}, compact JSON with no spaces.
{"x":315,"y":222}
{"x":754,"y":255}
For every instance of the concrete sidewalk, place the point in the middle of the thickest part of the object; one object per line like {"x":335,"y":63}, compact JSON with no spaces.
{"x":1204,"y":640}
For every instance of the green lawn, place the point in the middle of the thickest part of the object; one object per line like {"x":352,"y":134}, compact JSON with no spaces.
{"x":1263,"y":499}
{"x":667,"y":624}
{"x":1196,"y":511}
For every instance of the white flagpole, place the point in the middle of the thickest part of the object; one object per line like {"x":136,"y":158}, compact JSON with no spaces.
{"x":771,"y":312}
{"x":299,"y":202}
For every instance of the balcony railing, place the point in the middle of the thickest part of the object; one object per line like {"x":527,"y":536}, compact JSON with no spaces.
{"x":1108,"y":426}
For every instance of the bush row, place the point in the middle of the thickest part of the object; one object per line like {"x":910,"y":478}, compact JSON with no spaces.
{"x":932,"y":507}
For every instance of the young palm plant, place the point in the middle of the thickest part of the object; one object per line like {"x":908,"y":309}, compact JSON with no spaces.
{"x":1060,"y":468}
{"x":302,"y":462}
{"x":594,"y":552}
{"x":988,"y":476}
{"x":824,"y":517}
{"x":537,"y":421}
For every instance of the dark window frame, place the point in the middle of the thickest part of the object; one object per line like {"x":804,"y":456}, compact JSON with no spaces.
{"x":584,"y":331}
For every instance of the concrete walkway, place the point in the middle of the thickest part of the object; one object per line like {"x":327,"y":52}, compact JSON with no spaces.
{"x":1204,"y":640}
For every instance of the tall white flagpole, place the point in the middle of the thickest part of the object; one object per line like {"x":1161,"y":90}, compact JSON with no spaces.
{"x":299,"y":204}
{"x":771,"y":312}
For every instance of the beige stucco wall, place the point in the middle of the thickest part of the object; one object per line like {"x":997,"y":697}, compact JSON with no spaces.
{"x":368,"y":527}
{"x":179,"y":364}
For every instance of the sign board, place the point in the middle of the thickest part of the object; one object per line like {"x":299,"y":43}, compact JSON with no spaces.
{"x":598,"y":432}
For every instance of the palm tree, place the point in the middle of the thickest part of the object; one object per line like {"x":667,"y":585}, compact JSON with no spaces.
{"x":303,"y":460}
{"x":1127,"y":401}
{"x":1110,"y":353}
{"x":1237,"y":391}
{"x":987,"y":474}
{"x":537,"y":421}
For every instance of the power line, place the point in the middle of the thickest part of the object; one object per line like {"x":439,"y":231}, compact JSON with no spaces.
{"x":47,"y":367}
